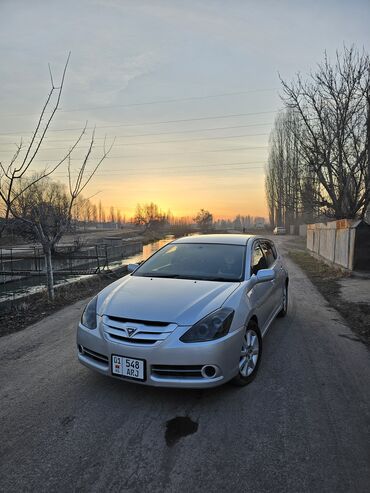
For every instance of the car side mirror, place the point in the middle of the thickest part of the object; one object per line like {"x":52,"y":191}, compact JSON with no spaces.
{"x":265,"y":275}
{"x":132,"y":267}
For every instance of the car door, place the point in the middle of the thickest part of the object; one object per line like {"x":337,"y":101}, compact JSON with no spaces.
{"x":272,"y":262}
{"x":262,"y":295}
{"x":282,"y":272}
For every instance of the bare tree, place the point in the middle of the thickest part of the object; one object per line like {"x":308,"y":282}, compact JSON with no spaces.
{"x":112,"y":214}
{"x":94,"y":213}
{"x":149,"y":216}
{"x":334,"y":138}
{"x":285,"y":174}
{"x":119,"y":217}
{"x":204,"y":219}
{"x":87,"y":211}
{"x":13,"y":172}
{"x":100,"y":212}
{"x":46,"y":210}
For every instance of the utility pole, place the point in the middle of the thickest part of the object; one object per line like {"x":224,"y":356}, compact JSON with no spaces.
{"x":366,"y":211}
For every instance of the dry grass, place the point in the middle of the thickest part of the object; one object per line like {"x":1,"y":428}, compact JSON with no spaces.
{"x":325,"y":278}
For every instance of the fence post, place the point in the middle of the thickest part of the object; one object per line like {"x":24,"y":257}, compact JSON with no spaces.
{"x":97,"y":258}
{"x":106,"y":256}
{"x":70,"y":260}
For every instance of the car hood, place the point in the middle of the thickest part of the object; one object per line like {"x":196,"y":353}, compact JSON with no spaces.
{"x":180,"y":301}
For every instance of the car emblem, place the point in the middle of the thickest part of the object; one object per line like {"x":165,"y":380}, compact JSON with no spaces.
{"x":130,"y":331}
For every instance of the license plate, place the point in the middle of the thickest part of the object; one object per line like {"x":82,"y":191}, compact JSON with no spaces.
{"x":128,"y":367}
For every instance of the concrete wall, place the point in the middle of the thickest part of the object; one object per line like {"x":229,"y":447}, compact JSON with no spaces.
{"x":333,"y":241}
{"x":303,"y":230}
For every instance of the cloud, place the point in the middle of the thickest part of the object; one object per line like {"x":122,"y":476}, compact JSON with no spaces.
{"x":102,"y":82}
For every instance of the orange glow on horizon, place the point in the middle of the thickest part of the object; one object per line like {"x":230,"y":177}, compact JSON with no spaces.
{"x":225,"y":197}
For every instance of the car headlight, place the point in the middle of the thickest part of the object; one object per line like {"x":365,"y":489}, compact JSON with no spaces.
{"x":88,"y":318}
{"x":213,"y":326}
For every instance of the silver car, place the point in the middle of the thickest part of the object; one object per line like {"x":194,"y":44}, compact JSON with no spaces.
{"x":192,"y":315}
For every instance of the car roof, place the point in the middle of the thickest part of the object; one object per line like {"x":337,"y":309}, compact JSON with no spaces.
{"x":223,"y":239}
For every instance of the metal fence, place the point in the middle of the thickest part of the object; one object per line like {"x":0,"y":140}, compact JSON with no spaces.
{"x":22,"y":269}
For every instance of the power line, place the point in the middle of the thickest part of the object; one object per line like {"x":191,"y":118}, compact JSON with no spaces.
{"x":191,"y":140}
{"x":199,"y":139}
{"x":183,"y":120}
{"x":158,"y":101}
{"x":141,"y":172}
{"x":175,"y":100}
{"x":166,"y":133}
{"x":171,"y":154}
{"x":197,"y":165}
{"x":225,"y":149}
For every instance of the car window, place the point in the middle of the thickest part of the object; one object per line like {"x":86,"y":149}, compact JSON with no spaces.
{"x":258,"y":259}
{"x":273,"y":249}
{"x":204,"y":261}
{"x":168,"y":258}
{"x":268,"y":252}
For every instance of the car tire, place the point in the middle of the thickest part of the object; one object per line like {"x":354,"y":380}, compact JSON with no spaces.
{"x":284,"y":310}
{"x":249,"y":360}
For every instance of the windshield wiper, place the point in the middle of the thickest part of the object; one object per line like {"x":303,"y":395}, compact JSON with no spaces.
{"x":217,"y":279}
{"x":154,"y":274}
{"x":183,"y":276}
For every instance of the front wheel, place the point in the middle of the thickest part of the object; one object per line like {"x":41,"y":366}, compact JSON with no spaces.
{"x":284,"y":309}
{"x":250,"y":355}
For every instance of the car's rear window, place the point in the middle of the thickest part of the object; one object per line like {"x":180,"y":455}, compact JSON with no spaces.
{"x":203,"y":261}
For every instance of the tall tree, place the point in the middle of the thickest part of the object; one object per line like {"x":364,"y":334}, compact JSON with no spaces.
{"x":112,"y":215}
{"x":284,"y":171}
{"x":333,"y":105}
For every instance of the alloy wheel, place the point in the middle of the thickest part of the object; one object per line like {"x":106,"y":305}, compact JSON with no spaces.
{"x":249,"y":354}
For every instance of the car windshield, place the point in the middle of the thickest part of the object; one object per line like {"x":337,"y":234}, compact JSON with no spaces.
{"x":198,"y":261}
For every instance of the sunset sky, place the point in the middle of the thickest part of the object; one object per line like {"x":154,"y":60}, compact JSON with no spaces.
{"x":188,"y":88}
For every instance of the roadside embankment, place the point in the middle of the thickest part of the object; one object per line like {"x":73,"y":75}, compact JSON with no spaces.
{"x":333,"y":284}
{"x":35,"y":307}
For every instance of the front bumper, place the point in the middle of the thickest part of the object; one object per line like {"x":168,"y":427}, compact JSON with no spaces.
{"x":95,"y":351}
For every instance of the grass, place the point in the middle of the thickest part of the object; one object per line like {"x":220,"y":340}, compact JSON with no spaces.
{"x":296,"y":243}
{"x":326,"y":278}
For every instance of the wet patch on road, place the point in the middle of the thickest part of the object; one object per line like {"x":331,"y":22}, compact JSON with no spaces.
{"x":67,"y":424}
{"x":179,"y":427}
{"x":67,"y":420}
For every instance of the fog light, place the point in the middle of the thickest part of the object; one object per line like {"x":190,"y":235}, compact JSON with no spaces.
{"x":209,"y":371}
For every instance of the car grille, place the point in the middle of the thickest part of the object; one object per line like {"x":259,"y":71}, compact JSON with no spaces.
{"x":135,"y":321}
{"x":100,"y":358}
{"x":132,"y":331}
{"x":171,"y":371}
